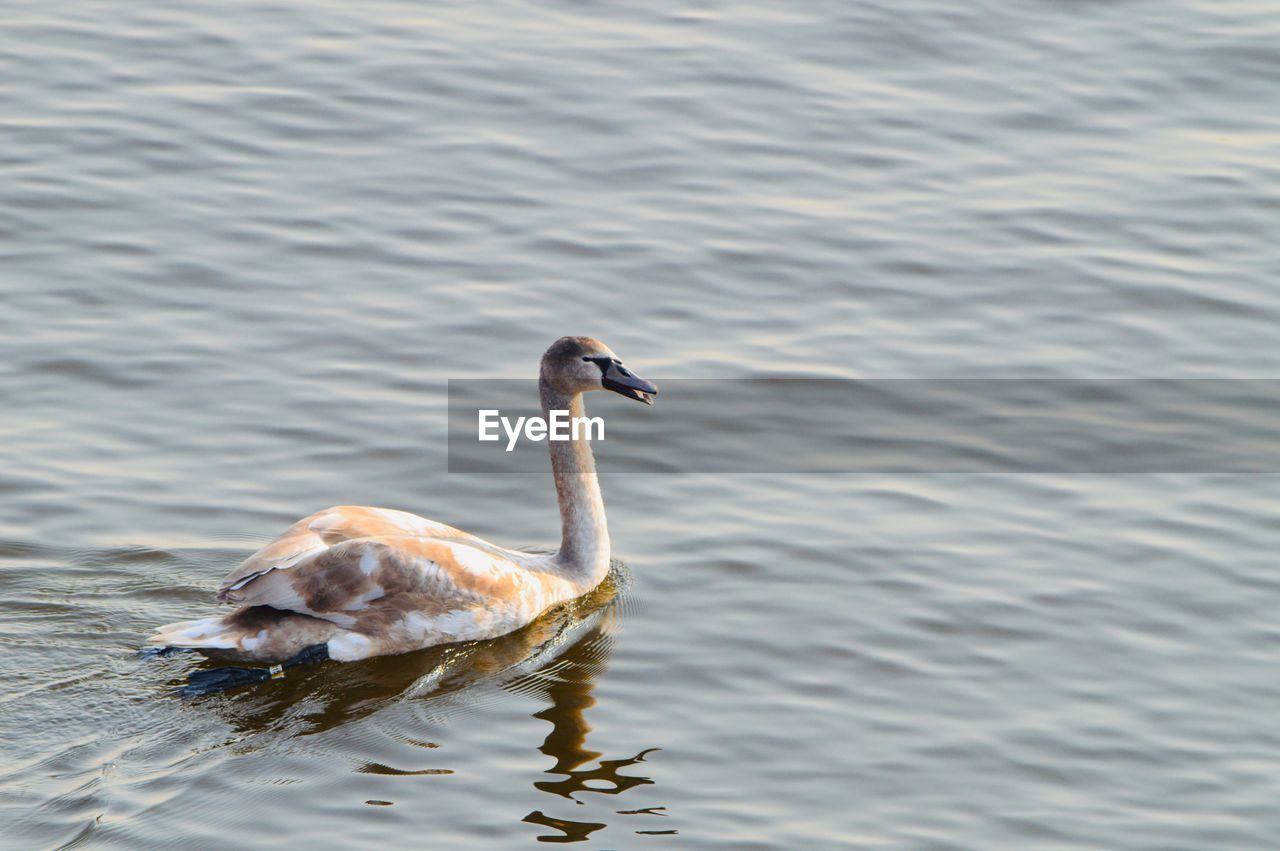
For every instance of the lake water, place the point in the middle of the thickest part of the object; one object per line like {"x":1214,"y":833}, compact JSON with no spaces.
{"x":245,"y":246}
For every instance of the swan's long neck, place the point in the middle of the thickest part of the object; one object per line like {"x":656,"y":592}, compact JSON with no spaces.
{"x":584,"y":540}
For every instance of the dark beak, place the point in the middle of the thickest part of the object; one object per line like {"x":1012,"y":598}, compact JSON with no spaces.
{"x":624,"y":382}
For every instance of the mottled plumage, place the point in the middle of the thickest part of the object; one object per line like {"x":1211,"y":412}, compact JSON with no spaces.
{"x":373,"y":581}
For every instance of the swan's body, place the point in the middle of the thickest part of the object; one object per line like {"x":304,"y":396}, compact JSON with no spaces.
{"x":375,"y":581}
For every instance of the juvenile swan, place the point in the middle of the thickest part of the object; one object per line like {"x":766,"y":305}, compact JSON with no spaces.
{"x":374,"y":581}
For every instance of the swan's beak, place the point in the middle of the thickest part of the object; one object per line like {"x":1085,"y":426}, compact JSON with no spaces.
{"x":624,"y":382}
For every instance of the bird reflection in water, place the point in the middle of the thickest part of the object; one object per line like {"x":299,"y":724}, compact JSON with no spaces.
{"x":556,"y":658}
{"x":567,"y":685}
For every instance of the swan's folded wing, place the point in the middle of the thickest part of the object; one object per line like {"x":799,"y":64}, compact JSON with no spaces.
{"x":312,"y":536}
{"x":347,"y":581}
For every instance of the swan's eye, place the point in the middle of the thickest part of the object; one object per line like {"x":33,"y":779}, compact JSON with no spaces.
{"x":601,"y":362}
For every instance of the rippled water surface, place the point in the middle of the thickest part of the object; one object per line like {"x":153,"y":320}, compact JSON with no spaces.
{"x":245,"y":246}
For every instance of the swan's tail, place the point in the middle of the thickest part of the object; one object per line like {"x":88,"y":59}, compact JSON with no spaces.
{"x":200,"y":634}
{"x":250,"y":634}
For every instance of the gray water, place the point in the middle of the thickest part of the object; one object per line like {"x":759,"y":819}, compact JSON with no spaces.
{"x":246,"y":245}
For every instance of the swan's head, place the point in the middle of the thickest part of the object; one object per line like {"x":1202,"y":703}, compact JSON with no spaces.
{"x":582,"y":364}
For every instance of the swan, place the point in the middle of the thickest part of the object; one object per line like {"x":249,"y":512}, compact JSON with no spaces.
{"x":351,"y":582}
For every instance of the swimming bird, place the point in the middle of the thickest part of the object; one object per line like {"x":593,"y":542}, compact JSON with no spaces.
{"x":353,"y":582}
